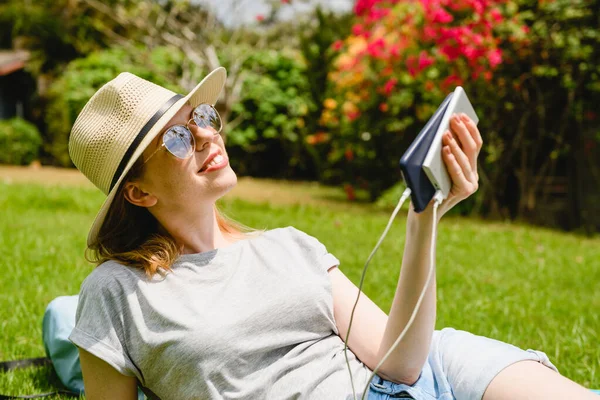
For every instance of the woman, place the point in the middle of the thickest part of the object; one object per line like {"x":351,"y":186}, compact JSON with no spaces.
{"x":192,"y":305}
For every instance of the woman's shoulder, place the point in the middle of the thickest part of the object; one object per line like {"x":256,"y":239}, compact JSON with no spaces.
{"x":295,"y":236}
{"x":303,"y":245}
{"x":110,"y":276}
{"x":286,"y":233}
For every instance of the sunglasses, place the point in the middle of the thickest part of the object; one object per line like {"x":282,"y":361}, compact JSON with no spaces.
{"x":179,"y":140}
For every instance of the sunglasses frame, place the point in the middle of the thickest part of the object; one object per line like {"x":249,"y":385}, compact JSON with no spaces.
{"x":186,"y":127}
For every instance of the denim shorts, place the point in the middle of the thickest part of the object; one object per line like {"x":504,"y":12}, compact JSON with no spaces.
{"x":460,"y":366}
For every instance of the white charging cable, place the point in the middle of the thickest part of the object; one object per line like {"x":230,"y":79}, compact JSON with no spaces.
{"x":438,"y":198}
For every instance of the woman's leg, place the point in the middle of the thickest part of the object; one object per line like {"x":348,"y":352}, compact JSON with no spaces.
{"x":531,"y":380}
{"x":477,"y":367}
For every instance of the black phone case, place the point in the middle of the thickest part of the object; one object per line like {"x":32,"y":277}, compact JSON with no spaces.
{"x":411,"y":163}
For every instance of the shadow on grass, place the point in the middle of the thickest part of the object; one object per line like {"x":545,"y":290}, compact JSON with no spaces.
{"x":33,"y":381}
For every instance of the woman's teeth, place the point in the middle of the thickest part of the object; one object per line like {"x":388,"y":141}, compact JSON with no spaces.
{"x":217,"y":160}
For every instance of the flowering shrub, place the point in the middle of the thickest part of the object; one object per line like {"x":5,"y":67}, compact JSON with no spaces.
{"x":402,"y":58}
{"x":540,"y":118}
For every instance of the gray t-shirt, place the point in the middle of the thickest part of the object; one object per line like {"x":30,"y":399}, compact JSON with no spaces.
{"x":253,"y":320}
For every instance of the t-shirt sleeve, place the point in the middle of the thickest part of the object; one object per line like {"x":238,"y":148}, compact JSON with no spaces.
{"x":315,"y":248}
{"x":99,"y":320}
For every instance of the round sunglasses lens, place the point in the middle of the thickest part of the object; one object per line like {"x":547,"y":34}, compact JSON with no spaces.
{"x":179,"y":141}
{"x":207,"y":117}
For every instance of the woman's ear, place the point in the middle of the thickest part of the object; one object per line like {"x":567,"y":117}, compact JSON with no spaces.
{"x":136,"y":196}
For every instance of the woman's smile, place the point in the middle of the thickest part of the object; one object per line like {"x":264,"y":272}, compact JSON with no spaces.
{"x":214,"y":161}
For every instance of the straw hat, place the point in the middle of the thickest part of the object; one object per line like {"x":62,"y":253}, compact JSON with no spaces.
{"x":120,"y":121}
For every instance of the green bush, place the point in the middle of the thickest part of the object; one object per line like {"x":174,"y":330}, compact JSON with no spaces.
{"x":83,"y":77}
{"x":541,"y":120}
{"x":20,"y":142}
{"x":279,"y":132}
{"x":269,"y":139}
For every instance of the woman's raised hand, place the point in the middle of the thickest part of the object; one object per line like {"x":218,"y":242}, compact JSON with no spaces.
{"x":461,"y":146}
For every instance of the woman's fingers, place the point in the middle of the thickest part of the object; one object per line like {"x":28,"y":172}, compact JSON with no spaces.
{"x":465,"y":138}
{"x":464,"y":180}
{"x":473,"y":130}
{"x":454,"y":170}
{"x":461,"y":146}
{"x":461,"y":157}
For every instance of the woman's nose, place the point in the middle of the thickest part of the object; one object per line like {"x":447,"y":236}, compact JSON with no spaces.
{"x":203,"y":136}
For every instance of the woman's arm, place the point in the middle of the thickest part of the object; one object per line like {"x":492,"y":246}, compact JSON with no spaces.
{"x":406,"y":362}
{"x":460,"y":151}
{"x":369,"y":320}
{"x":371,"y":324}
{"x":103,"y":382}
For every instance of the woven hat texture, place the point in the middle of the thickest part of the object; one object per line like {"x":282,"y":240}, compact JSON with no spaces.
{"x":105,"y":140}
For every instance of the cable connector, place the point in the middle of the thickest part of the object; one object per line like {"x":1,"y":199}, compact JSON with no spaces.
{"x":404,"y":196}
{"x":438,"y":197}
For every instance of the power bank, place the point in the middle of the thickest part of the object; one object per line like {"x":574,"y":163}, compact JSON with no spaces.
{"x":422,"y":190}
{"x":433,"y":165}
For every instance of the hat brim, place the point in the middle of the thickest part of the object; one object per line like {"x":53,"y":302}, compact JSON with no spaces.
{"x":207,"y":91}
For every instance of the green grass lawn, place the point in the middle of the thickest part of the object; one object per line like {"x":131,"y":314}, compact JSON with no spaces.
{"x":531,"y":287}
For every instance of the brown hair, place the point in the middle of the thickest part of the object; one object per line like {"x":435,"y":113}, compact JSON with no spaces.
{"x":130,"y":234}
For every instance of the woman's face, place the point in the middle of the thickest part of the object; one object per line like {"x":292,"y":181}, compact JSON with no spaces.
{"x":204,"y":177}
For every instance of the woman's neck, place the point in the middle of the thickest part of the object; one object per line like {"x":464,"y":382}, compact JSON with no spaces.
{"x":195,"y":235}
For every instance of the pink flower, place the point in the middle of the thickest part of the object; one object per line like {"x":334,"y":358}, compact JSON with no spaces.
{"x":424,"y":60}
{"x":429,"y":33}
{"x":260,"y":17}
{"x":363,"y":6}
{"x":352,"y":115}
{"x":451,"y":52}
{"x":452,"y":80}
{"x":477,"y":39}
{"x":478,"y":6}
{"x":495,"y":57}
{"x":357,"y":30}
{"x":377,"y":14}
{"x":496,"y":15}
{"x":375,"y":48}
{"x":337,"y":45}
{"x":395,"y":50}
{"x":389,"y":86}
{"x":469,"y":52}
{"x":454,"y":34}
{"x":442,"y":16}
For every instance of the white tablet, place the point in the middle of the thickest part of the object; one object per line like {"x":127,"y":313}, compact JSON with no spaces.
{"x":433,"y":165}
